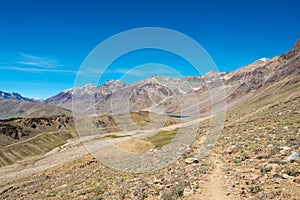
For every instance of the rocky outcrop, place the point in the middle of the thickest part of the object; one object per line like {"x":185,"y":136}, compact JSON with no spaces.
{"x":293,"y":52}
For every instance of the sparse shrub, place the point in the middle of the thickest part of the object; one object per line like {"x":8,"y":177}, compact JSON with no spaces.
{"x":265,"y":170}
{"x":274,"y":151}
{"x":174,"y":193}
{"x":123,"y":194}
{"x":255,"y":189}
{"x":202,"y":170}
{"x":245,"y":156}
{"x":291,"y":172}
{"x":276,"y":161}
{"x":142,"y":196}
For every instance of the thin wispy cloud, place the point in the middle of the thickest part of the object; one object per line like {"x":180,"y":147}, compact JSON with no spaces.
{"x":37,"y":61}
{"x":36,"y":64}
{"x":14,"y":68}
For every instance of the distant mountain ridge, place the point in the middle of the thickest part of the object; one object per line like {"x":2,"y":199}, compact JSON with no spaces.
{"x":64,"y":99}
{"x":17,"y":96}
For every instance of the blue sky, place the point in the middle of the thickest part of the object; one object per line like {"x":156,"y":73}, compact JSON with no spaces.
{"x":43,"y":43}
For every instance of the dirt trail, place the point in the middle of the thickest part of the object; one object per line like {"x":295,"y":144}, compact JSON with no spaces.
{"x":214,"y":187}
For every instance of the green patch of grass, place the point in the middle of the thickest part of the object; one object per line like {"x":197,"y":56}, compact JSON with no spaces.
{"x":162,"y":137}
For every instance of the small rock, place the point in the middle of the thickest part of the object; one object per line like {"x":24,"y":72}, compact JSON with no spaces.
{"x":191,"y":160}
{"x":188,"y":192}
{"x":263,"y":156}
{"x":294,"y":156}
{"x":233,"y":147}
{"x":285,"y":176}
{"x":153,"y":150}
{"x":285,"y":148}
{"x":277,"y":176}
{"x":156,"y":181}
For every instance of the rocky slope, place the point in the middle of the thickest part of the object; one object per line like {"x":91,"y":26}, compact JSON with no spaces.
{"x":248,"y":162}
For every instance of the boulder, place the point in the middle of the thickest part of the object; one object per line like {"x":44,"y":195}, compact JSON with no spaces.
{"x":294,"y":156}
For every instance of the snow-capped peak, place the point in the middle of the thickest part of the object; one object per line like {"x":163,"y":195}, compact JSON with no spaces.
{"x":264,"y":59}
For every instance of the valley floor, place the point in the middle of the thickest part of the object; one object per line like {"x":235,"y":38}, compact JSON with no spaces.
{"x":248,"y":162}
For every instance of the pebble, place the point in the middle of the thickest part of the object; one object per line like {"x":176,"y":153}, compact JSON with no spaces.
{"x":285,"y":148}
{"x":285,"y":176}
{"x":191,"y":160}
{"x":277,"y":176}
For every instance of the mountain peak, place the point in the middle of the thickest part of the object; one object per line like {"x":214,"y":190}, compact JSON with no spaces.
{"x":264,"y":59}
{"x":88,"y":86}
{"x":156,"y":77}
{"x":113,"y":82}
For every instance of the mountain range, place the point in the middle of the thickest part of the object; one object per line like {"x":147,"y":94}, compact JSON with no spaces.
{"x":170,"y":95}
{"x":163,"y":95}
